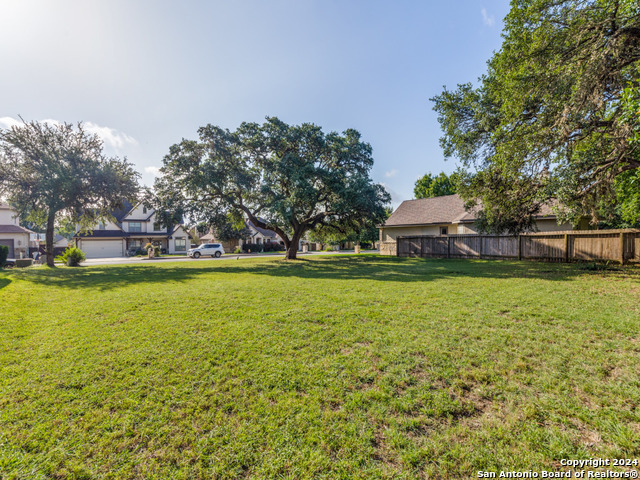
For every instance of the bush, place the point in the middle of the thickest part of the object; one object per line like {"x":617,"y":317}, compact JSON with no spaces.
{"x":4,"y":253}
{"x":273,"y":247}
{"x":262,"y":247}
{"x":156,"y":249}
{"x":254,"y":247}
{"x":72,"y":256}
{"x":237,"y":250}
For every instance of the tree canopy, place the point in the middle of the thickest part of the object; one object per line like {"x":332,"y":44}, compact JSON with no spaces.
{"x":435,"y":185}
{"x":285,"y":178}
{"x":50,"y":172}
{"x":556,"y":115}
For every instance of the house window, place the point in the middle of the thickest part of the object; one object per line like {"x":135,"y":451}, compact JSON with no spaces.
{"x":135,"y":244}
{"x":144,"y":209}
{"x":444,"y":231}
{"x":101,"y":226}
{"x":135,"y":227}
{"x":181,"y":244}
{"x":157,"y":227}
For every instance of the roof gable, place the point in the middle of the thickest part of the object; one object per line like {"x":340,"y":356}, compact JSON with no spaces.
{"x":266,"y":233}
{"x":138,"y":213}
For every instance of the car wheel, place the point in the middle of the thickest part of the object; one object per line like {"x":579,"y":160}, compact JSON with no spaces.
{"x":217,"y":254}
{"x":196,"y":255}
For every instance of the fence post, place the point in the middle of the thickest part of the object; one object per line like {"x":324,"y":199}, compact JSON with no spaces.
{"x":519,"y":247}
{"x":448,"y":247}
{"x":480,"y":249}
{"x":622,"y":248}
{"x":566,"y":247}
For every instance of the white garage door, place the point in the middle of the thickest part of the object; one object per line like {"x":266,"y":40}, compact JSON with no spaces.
{"x":101,"y":248}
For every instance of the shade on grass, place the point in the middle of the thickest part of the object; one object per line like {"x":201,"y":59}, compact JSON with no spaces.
{"x":349,"y":367}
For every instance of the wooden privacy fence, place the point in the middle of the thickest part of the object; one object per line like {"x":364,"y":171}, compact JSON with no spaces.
{"x":596,"y":245}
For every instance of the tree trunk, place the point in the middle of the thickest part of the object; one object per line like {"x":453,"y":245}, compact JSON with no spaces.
{"x":292,"y":248}
{"x":48,"y":238}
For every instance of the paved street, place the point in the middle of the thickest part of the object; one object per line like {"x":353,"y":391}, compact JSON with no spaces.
{"x":145,"y":260}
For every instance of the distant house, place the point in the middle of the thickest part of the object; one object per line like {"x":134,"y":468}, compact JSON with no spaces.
{"x":60,"y":242}
{"x":444,"y":215}
{"x":38,"y":240}
{"x":12,"y":234}
{"x":133,"y":228}
{"x":261,"y":235}
{"x":256,"y":235}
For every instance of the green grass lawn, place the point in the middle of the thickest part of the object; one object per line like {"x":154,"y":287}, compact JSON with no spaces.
{"x":327,"y":367}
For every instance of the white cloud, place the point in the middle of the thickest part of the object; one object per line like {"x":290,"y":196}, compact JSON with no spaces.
{"x":51,"y":121}
{"x":110,"y":136}
{"x":155,"y":171}
{"x":488,"y":20}
{"x":391,"y":173}
{"x":8,"y":122}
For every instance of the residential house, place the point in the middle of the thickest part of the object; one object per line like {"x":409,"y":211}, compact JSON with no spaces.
{"x":12,"y":234}
{"x":445,"y":215}
{"x":38,"y":240}
{"x":256,"y":235}
{"x":261,"y":235}
{"x":60,"y":242}
{"x":131,"y":229}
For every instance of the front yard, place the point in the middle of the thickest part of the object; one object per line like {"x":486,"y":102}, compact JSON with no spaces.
{"x":327,"y":367}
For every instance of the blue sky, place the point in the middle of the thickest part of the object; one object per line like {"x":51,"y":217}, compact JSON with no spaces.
{"x":145,"y":74}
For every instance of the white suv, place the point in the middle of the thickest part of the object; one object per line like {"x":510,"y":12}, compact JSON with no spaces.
{"x":213,"y":249}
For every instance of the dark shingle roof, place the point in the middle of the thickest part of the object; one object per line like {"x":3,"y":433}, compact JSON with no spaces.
{"x":147,"y":234}
{"x":263,"y":231}
{"x":102,"y":234}
{"x":122,"y":212}
{"x":13,"y":229}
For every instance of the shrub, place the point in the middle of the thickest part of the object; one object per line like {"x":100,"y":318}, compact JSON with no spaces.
{"x":72,"y":256}
{"x":254,"y":247}
{"x":156,"y":249}
{"x":4,"y":253}
{"x":237,"y":250}
{"x":273,"y":247}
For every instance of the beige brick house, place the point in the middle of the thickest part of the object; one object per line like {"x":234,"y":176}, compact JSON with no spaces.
{"x":444,"y":215}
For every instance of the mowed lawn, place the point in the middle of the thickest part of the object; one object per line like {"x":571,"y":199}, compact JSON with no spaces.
{"x":327,"y":367}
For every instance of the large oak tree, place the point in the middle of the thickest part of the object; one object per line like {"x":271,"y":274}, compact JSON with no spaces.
{"x":429,"y":185}
{"x":285,"y":178}
{"x":50,"y":172}
{"x":557,"y":115}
